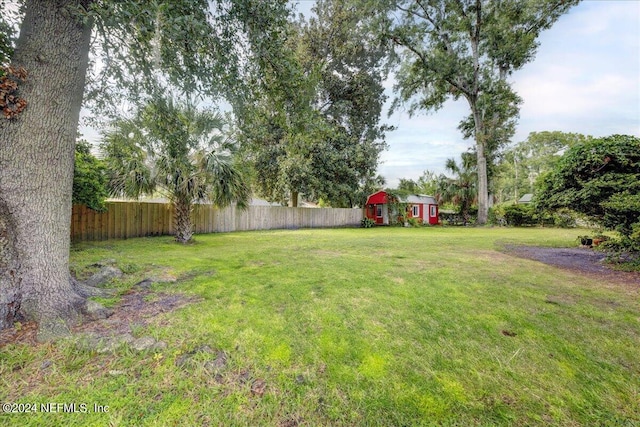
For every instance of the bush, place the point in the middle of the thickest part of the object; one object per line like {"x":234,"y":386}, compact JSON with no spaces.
{"x":545,"y":218}
{"x":513,"y":215}
{"x":624,"y":251}
{"x":525,"y":214}
{"x":519,"y":215}
{"x":496,"y":215}
{"x":414,"y":222}
{"x":564,"y":218}
{"x":367,"y":223}
{"x":89,"y":179}
{"x":597,"y":178}
{"x":450,"y":218}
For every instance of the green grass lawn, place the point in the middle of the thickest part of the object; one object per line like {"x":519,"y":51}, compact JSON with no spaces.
{"x":383,"y":326}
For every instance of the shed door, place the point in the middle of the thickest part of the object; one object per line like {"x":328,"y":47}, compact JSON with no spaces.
{"x":433,"y":214}
{"x":379,"y":218}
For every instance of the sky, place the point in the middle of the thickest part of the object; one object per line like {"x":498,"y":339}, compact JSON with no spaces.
{"x":585,"y":79}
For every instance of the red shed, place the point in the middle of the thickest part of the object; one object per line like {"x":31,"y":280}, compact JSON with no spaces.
{"x":418,"y":206}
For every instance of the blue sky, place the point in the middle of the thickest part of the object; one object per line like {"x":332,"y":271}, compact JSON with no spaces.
{"x":585,"y":78}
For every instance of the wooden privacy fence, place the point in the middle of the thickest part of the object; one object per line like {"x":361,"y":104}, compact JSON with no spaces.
{"x":137,"y":219}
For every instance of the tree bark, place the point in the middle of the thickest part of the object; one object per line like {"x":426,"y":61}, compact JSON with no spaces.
{"x":9,"y":285}
{"x":483,"y":185}
{"x":184,"y":227}
{"x":36,"y":167}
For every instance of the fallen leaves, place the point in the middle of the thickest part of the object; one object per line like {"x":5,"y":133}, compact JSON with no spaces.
{"x":10,"y":103}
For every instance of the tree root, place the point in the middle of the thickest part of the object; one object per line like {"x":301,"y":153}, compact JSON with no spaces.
{"x":87,"y":291}
{"x":79,"y":309}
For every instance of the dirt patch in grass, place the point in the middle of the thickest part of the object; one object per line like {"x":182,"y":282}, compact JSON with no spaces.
{"x":136,"y":309}
{"x":586,"y":261}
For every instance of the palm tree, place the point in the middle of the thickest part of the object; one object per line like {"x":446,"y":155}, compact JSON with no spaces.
{"x":461,"y":189}
{"x":178,"y":150}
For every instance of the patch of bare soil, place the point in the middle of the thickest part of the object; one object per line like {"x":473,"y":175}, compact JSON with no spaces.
{"x":136,"y":309}
{"x":583,"y":260}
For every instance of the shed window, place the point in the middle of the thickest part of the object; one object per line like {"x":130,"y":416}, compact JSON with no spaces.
{"x":432,"y":211}
{"x":379,"y":211}
{"x":415,"y":211}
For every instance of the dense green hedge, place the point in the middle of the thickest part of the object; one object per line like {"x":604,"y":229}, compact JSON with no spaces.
{"x":520,"y":215}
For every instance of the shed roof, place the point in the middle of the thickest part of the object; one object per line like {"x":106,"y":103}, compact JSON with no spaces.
{"x":420,"y":199}
{"x":526,"y":198}
{"x":377,"y":198}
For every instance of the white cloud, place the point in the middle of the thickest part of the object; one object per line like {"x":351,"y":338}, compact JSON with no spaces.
{"x":561,"y":92}
{"x":586,"y":77}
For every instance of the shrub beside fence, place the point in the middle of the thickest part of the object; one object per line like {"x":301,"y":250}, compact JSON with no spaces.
{"x":138,"y":219}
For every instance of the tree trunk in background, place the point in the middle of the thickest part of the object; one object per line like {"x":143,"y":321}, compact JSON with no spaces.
{"x":36,"y":168}
{"x":483,"y":185}
{"x":184,"y":227}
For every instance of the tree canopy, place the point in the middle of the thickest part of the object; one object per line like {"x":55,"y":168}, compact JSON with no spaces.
{"x":599,"y":178}
{"x":523,"y":163}
{"x":6,"y":42}
{"x":203,"y":47}
{"x":315,"y":126}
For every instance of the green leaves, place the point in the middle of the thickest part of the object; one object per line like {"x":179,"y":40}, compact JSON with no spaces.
{"x":129,"y":172}
{"x":11,"y":14}
{"x":199,"y":46}
{"x":314,"y":125}
{"x":176,"y":147}
{"x":600,"y":178}
{"x":524,"y":163}
{"x":461,"y":189}
{"x":452,"y":49}
{"x":89,"y":178}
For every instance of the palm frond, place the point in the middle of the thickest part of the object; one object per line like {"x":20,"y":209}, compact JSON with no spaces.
{"x":174,"y":145}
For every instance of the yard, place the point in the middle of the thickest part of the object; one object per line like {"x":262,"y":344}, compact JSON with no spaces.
{"x":383,"y":326}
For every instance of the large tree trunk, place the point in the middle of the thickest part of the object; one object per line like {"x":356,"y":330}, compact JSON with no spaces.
{"x":182,"y":220}
{"x":36,"y":168}
{"x":483,"y":185}
{"x":481,"y":159}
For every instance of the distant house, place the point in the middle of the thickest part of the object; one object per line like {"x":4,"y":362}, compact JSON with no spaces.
{"x":261,"y":202}
{"x":418,"y":206}
{"x":526,"y":198}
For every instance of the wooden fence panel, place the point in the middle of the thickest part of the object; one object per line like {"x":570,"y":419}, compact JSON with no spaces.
{"x":124,"y":220}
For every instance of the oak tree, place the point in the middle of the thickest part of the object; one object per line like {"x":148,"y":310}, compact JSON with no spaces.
{"x":195,"y":44}
{"x":315,"y":127}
